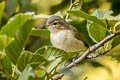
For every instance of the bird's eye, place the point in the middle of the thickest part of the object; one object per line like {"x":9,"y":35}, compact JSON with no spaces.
{"x":55,"y":23}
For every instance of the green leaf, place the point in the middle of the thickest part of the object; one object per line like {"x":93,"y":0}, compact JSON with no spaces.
{"x":2,"y":6}
{"x":109,"y":17}
{"x":5,"y":41}
{"x":117,"y":26}
{"x":40,"y":73}
{"x":65,"y":71}
{"x":116,"y":41}
{"x":115,"y":52}
{"x":87,"y":16}
{"x":33,"y":59}
{"x":49,"y":57}
{"x":95,"y":29}
{"x":47,"y":53}
{"x":54,"y":64}
{"x":13,"y":26}
{"x":57,"y":55}
{"x":112,"y":21}
{"x":37,"y":60}
{"x":26,"y":73}
{"x":106,"y":47}
{"x":71,"y":55}
{"x":24,"y":60}
{"x":6,"y":64}
{"x":101,"y":14}
{"x":40,"y":32}
{"x":96,"y":32}
{"x":14,"y":49}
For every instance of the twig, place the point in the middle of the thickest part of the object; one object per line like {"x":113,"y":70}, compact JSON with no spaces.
{"x":70,"y":8}
{"x":88,"y":51}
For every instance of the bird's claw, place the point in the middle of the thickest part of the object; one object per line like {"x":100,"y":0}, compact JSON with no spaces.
{"x":64,"y":65}
{"x":73,"y":61}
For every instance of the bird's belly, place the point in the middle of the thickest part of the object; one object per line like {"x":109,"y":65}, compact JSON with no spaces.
{"x":67,"y":42}
{"x":72,"y":45}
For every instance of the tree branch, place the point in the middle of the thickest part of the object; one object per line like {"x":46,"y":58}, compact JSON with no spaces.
{"x":87,"y":52}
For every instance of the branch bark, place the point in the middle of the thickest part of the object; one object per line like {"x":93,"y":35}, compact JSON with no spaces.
{"x":87,"y":52}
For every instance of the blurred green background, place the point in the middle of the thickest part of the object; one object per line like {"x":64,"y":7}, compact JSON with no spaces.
{"x":101,"y":68}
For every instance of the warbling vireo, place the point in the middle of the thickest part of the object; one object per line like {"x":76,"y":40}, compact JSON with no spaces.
{"x":63,"y":35}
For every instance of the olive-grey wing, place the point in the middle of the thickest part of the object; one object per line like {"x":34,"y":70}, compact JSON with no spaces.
{"x":76,"y":33}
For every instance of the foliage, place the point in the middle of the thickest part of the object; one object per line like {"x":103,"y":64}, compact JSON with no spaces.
{"x":19,"y":62}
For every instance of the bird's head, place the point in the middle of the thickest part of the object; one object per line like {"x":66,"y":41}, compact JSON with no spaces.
{"x":56,"y":24}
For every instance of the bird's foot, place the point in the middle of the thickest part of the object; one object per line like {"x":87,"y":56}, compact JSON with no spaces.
{"x":73,"y":61}
{"x":64,"y":64}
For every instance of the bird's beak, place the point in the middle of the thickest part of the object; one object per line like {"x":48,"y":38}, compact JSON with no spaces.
{"x":47,"y":25}
{"x":44,"y":26}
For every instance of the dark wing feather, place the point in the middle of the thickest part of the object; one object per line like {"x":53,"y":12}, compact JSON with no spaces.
{"x":77,"y":34}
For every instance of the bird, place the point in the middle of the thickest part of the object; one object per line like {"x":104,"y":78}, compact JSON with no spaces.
{"x":64,"y":36}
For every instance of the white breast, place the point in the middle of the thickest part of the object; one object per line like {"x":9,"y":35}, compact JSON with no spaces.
{"x":65,"y":40}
